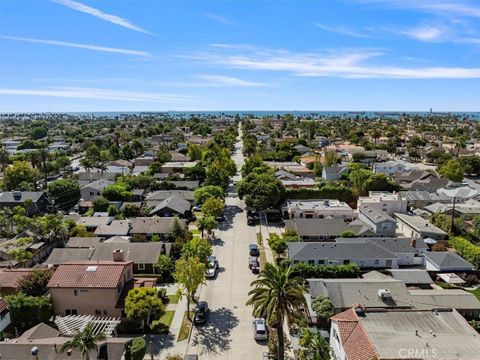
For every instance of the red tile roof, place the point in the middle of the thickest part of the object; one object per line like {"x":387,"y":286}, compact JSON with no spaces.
{"x":9,"y":277}
{"x":90,"y":274}
{"x":355,"y":340}
{"x":3,"y":305}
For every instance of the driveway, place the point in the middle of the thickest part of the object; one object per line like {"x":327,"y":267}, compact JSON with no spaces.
{"x":228,"y":331}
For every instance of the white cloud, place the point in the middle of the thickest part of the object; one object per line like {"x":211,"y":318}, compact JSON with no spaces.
{"x":340,"y":63}
{"x":218,"y":18}
{"x":75,"y":5}
{"x":78,"y":45}
{"x":98,"y":94}
{"x":424,"y":33}
{"x":341,"y":30}
{"x":221,"y":80}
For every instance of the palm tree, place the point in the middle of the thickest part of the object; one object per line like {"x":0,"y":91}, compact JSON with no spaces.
{"x":84,"y":341}
{"x":278,"y":294}
{"x":87,"y":165}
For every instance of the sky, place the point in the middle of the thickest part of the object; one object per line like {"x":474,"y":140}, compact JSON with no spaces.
{"x":159,"y":55}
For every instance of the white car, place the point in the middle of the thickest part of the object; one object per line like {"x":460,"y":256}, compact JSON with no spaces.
{"x":212,"y":267}
{"x":260,"y":331}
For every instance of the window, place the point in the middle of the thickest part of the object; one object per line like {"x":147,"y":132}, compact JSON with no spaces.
{"x":311,"y":262}
{"x":346,"y":262}
{"x":377,"y":262}
{"x":141,"y":266}
{"x":105,"y":312}
{"x":74,"y":312}
{"x":75,"y":292}
{"x":98,"y":312}
{"x":321,"y":262}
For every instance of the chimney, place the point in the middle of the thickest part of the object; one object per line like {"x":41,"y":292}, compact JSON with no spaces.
{"x":414,"y":243}
{"x":118,"y":255}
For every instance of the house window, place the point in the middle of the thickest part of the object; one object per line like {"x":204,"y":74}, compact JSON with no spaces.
{"x":311,"y":262}
{"x":377,"y":262}
{"x":98,"y":312}
{"x":141,"y":266}
{"x":321,"y":262}
{"x":105,"y":312}
{"x":346,"y":262}
{"x":75,"y":292}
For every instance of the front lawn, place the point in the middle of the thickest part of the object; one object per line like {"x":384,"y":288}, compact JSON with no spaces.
{"x":475,"y":292}
{"x":186,"y":326}
{"x":173,"y":299}
{"x":165,"y":322}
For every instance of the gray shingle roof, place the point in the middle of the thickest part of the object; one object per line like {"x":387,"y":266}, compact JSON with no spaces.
{"x":83,"y":242}
{"x":8,"y":196}
{"x":174,"y":203}
{"x":375,"y":215}
{"x":334,"y":250}
{"x":411,"y":276}
{"x":98,"y":185}
{"x":447,"y":259}
{"x":64,"y":255}
{"x":145,"y":253}
{"x":154,"y":225}
{"x":317,"y":227}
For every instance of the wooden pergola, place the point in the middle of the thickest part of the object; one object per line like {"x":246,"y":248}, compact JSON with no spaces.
{"x":70,"y":324}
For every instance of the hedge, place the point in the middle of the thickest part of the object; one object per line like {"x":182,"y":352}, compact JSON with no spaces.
{"x":340,"y":193}
{"x":307,"y":271}
{"x":466,"y":249}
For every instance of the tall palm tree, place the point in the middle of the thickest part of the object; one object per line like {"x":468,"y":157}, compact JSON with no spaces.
{"x":84,"y":341}
{"x":279,"y":295}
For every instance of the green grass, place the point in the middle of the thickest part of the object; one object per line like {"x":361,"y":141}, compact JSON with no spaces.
{"x":263,"y":259}
{"x":167,"y":318}
{"x":475,"y":292}
{"x":173,"y":299}
{"x":186,"y":326}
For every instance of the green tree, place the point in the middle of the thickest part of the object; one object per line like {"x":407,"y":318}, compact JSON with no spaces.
{"x":254,"y":163}
{"x":261,"y":191}
{"x":331,"y":158}
{"x":27,"y":311}
{"x":203,"y":193}
{"x":277,"y":244}
{"x":218,"y":173}
{"x":4,"y":158}
{"x":194,"y":152}
{"x":35,"y":282}
{"x":116,"y":192}
{"x":213,"y":207}
{"x":165,"y":267}
{"x":379,"y":182}
{"x":84,"y":342}
{"x":20,"y":176}
{"x":199,"y":248}
{"x":452,"y":170}
{"x":323,"y":307}
{"x":101,"y":204}
{"x":348,"y":234}
{"x":189,"y":274}
{"x":279,"y":295}
{"x":137,"y":349}
{"x":207,"y":223}
{"x":314,"y":346}
{"x":358,"y":177}
{"x":144,"y":305}
{"x":317,"y":167}
{"x":64,"y":192}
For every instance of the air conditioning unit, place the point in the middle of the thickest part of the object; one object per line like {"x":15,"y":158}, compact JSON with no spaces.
{"x":384,"y":294}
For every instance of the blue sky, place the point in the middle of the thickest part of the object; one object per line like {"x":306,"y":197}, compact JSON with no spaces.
{"x":152,"y":55}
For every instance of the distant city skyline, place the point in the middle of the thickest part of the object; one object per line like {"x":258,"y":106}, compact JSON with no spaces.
{"x":344,"y":55}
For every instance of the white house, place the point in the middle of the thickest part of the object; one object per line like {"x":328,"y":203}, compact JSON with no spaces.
{"x":417,"y":227}
{"x":389,"y":168}
{"x":385,"y":201}
{"x":309,"y":209}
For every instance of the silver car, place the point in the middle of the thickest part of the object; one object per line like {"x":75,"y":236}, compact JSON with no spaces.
{"x":212,"y":269}
{"x":260,"y":331}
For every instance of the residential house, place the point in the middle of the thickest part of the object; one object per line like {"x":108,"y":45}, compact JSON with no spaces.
{"x":379,"y":221}
{"x":143,"y":255}
{"x":412,"y":277}
{"x":173,"y":206}
{"x":91,"y":223}
{"x":317,"y":229}
{"x":389,"y":167}
{"x":317,"y":208}
{"x":177,"y":167}
{"x":60,"y":256}
{"x":9,"y":279}
{"x":420,"y":199}
{"x":48,"y":341}
{"x":144,"y":228}
{"x":93,"y":190}
{"x":157,"y":197}
{"x":406,"y":178}
{"x":4,"y":316}
{"x":83,"y":242}
{"x":385,"y":201}
{"x":29,"y":242}
{"x":333,"y":172}
{"x":358,"y":334}
{"x":292,"y":167}
{"x":95,"y":288}
{"x":143,"y":161}
{"x":184,"y":184}
{"x":446,"y":261}
{"x":37,"y":199}
{"x":410,"y":252}
{"x":178,"y":157}
{"x":301,"y":149}
{"x":417,"y":227}
{"x":365,"y":254}
{"x":115,"y":228}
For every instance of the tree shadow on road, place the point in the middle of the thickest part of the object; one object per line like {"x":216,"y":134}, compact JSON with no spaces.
{"x":214,"y":337}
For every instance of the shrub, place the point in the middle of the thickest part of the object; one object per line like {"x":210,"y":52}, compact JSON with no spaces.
{"x":466,"y":249}
{"x":326,"y":271}
{"x":138,"y":348}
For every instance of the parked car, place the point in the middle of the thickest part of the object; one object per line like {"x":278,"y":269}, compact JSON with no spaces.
{"x":253,"y":250}
{"x":254,"y":264}
{"x":221,"y":218}
{"x":212,"y":269}
{"x":201,"y":313}
{"x":260,"y":331}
